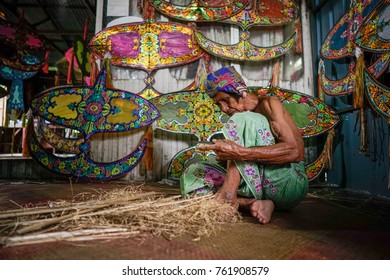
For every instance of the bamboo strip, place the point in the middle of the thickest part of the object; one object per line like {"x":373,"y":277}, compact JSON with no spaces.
{"x":45,"y":210}
{"x":130,"y":209}
{"x":80,"y":235}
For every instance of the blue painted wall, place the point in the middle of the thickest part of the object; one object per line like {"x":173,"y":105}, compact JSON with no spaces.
{"x":352,"y":169}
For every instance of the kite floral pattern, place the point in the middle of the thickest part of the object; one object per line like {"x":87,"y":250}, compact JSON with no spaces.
{"x":312,"y":116}
{"x":339,"y":41}
{"x":261,"y":13}
{"x":185,"y":158}
{"x":374,"y":34}
{"x":147,"y":46}
{"x":380,"y":66}
{"x":16,"y":100}
{"x":343,"y":86}
{"x":60,"y":143}
{"x":200,"y":10}
{"x":82,"y":167}
{"x":378,"y":95}
{"x":266,"y":12}
{"x":244,"y":50}
{"x":92,"y":109}
{"x":22,"y":39}
{"x":191,"y":112}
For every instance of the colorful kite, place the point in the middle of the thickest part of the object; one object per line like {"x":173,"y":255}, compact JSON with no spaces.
{"x":91,"y":109}
{"x":200,"y":10}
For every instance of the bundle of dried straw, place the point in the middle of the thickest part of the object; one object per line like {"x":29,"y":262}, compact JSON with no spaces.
{"x":119,"y":213}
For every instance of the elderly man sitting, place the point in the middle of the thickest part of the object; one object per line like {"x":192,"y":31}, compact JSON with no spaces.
{"x":263,"y":148}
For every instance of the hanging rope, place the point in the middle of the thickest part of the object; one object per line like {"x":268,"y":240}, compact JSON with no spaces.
{"x":69,"y":79}
{"x":359,"y":80}
{"x":149,"y":150}
{"x":274,"y":81}
{"x":320,"y":94}
{"x":107,"y":65}
{"x":298,"y":47}
{"x":329,"y":150}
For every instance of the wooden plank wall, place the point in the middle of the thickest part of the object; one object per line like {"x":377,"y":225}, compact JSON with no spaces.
{"x":166,"y":144}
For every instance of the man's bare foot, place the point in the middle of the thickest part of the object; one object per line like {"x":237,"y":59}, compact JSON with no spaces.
{"x":262,"y":210}
{"x":226,"y":197}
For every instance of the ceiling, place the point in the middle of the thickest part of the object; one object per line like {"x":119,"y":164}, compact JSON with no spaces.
{"x":59,"y":21}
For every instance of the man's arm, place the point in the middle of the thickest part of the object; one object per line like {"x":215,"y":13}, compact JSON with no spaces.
{"x":288,"y":147}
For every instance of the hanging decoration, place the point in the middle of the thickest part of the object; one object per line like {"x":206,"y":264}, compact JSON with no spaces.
{"x":94,"y":109}
{"x":24,"y":43}
{"x":64,"y":144}
{"x":91,"y":110}
{"x":81,"y":166}
{"x":377,"y":68}
{"x":342,"y":86}
{"x":147,"y":46}
{"x":378,"y":95}
{"x":339,"y":41}
{"x":244,"y":50}
{"x":82,"y":56}
{"x":374,"y":34}
{"x":15,"y":101}
{"x":345,"y":40}
{"x":185,"y":158}
{"x":191,"y":112}
{"x":346,"y":85}
{"x":266,"y":13}
{"x":358,"y":102}
{"x":311,"y":115}
{"x":200,"y":10}
{"x":324,"y":160}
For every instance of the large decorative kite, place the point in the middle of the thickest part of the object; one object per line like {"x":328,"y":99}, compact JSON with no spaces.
{"x":147,"y":46}
{"x":244,"y":50}
{"x":264,"y":13}
{"x":21,"y":39}
{"x":374,"y":34}
{"x":91,"y":109}
{"x":16,"y":99}
{"x":187,"y":112}
{"x":200,"y":10}
{"x":339,"y":41}
{"x":378,"y":95}
{"x":191,"y":112}
{"x":311,"y":115}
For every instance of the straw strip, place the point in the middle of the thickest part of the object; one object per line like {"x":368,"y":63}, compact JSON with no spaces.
{"x":118,"y":213}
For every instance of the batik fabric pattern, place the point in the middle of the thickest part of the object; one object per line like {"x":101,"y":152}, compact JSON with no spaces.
{"x":286,"y":185}
{"x":226,"y":79}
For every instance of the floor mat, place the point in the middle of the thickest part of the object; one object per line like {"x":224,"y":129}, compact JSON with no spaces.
{"x":318,"y":228}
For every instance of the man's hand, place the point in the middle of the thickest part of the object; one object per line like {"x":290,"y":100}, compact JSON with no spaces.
{"x":224,"y":149}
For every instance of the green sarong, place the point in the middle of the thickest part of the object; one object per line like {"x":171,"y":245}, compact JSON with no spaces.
{"x":286,"y":185}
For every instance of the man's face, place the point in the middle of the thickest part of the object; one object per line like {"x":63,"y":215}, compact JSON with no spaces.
{"x":228,"y":104}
